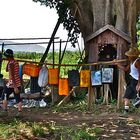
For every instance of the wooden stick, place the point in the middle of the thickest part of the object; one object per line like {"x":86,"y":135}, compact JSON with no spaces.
{"x":66,"y":97}
{"x":89,"y":64}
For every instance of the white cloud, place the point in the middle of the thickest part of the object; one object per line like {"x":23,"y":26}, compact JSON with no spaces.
{"x":25,"y":18}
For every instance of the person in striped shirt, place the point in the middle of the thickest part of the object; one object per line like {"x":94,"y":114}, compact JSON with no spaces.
{"x":13,"y":84}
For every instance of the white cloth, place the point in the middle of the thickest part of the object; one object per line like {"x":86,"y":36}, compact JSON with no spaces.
{"x":43,"y":77}
{"x":134,"y":71}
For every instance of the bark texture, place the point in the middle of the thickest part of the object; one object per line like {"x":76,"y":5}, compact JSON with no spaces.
{"x":92,"y":15}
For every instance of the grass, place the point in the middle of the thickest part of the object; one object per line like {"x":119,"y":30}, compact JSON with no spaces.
{"x":17,"y":129}
{"x":3,"y":69}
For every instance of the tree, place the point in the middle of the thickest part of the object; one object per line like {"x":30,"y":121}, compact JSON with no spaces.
{"x":92,"y":15}
{"x":138,"y":32}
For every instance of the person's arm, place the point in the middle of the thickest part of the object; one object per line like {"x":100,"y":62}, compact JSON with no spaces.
{"x":124,"y":68}
{"x":11,"y":72}
{"x":137,"y":65}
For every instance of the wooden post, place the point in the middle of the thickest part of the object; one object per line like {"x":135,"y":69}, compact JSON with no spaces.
{"x":52,"y":95}
{"x":93,"y":57}
{"x":2,"y":48}
{"x":91,"y":97}
{"x":121,"y":49}
{"x":60,"y":49}
{"x":50,"y":42}
{"x":121,"y":84}
{"x":107,"y":90}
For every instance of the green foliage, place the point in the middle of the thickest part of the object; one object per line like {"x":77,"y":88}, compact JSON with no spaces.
{"x":65,"y":16}
{"x":70,"y":57}
{"x":17,"y":129}
{"x":26,"y":55}
{"x":80,"y":106}
{"x":138,"y":32}
{"x":82,"y":132}
{"x":38,"y":130}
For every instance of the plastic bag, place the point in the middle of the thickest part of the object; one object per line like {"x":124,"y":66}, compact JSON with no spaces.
{"x":42,"y":103}
{"x":43,"y":76}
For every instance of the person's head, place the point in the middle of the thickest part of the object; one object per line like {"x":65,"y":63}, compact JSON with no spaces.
{"x":9,"y":53}
{"x":132,"y":53}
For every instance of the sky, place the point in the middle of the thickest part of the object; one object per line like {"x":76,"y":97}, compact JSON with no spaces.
{"x":25,"y":18}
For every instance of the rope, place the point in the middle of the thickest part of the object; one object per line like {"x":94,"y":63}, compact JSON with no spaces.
{"x":7,"y":44}
{"x":89,"y":64}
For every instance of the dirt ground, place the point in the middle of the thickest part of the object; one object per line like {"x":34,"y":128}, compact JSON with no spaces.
{"x":114,"y":124}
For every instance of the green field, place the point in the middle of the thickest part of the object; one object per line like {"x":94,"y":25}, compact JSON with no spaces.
{"x":70,"y":57}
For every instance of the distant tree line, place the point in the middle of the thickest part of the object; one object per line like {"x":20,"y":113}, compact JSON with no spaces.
{"x":28,"y":55}
{"x":70,"y":57}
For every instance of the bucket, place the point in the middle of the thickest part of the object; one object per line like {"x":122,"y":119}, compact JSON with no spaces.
{"x":31,"y":70}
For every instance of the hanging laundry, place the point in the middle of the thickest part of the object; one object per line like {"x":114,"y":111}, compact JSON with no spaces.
{"x":53,"y":76}
{"x":34,"y":87}
{"x":73,"y":78}
{"x":84,"y":78}
{"x":96,"y":78}
{"x":63,"y":86}
{"x":107,"y":75}
{"x":43,"y":76}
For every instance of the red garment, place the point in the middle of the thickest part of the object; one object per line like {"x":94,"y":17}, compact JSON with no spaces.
{"x":16,"y":75}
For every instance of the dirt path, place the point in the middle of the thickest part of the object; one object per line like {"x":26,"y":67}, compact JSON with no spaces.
{"x":114,"y":125}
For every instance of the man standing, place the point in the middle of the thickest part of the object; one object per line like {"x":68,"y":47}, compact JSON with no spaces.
{"x":13,"y":84}
{"x":134,"y":68}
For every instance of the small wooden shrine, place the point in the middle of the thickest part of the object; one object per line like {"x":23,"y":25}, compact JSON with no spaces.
{"x":107,"y":44}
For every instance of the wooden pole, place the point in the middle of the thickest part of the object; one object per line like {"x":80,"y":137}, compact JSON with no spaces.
{"x":60,"y":48}
{"x":121,"y":91}
{"x":67,"y":65}
{"x":50,"y":42}
{"x":64,"y":50}
{"x":52,"y":95}
{"x":2,"y":49}
{"x":91,"y":97}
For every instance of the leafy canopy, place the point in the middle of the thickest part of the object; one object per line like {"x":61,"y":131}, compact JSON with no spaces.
{"x":65,"y":16}
{"x":138,"y":32}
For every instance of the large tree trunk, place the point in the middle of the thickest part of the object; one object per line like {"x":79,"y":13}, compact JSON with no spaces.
{"x":92,"y":15}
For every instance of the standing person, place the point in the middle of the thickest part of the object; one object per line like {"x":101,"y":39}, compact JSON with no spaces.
{"x":13,"y":84}
{"x":134,"y":68}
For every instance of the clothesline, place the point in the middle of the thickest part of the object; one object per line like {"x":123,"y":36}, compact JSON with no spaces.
{"x":7,"y":44}
{"x":89,"y":64}
{"x":34,"y":38}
